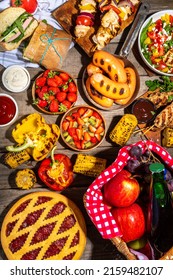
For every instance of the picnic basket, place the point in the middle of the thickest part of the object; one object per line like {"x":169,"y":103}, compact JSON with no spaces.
{"x":99,"y":212}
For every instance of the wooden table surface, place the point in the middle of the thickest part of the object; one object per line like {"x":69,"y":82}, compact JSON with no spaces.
{"x":97,"y":247}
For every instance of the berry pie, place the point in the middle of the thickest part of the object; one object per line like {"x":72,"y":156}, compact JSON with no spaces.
{"x":43,"y":226}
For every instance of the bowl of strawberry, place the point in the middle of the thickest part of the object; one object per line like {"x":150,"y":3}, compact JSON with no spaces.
{"x":54,"y":92}
{"x":82,"y":128}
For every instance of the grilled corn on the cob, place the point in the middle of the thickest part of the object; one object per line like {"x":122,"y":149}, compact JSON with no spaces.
{"x":123,"y":129}
{"x":14,"y":159}
{"x":167,"y":140}
{"x":89,"y":165}
{"x":25,"y":179}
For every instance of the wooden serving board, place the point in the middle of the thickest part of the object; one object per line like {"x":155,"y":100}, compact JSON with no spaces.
{"x":66,"y":15}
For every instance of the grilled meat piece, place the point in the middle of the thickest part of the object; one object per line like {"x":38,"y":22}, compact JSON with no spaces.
{"x":164,"y":118}
{"x":159,"y":98}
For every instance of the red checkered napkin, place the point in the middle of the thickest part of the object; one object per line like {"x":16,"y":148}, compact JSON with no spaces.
{"x":97,"y":210}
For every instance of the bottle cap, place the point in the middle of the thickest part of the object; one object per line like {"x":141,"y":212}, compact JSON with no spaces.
{"x":156,"y":167}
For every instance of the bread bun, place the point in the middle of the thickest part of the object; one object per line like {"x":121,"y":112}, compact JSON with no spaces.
{"x":7,"y":19}
{"x":48,"y":46}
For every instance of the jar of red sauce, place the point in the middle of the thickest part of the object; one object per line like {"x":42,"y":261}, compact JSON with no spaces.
{"x":8,"y":109}
{"x":144,"y":110}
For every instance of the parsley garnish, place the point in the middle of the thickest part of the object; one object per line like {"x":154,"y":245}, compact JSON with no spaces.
{"x":165,"y":84}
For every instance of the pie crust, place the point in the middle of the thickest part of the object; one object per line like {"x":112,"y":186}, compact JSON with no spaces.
{"x":43,"y":226}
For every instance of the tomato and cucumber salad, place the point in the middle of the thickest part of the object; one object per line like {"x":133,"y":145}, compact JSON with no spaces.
{"x":82,"y":128}
{"x":156,"y":41}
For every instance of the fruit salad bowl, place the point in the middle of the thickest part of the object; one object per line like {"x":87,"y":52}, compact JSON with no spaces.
{"x":54,"y":92}
{"x":83,"y":128}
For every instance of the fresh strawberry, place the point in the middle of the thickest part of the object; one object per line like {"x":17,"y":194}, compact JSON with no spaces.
{"x":65,"y":125}
{"x":64,"y":87}
{"x":54,"y":106}
{"x":51,"y":82}
{"x":81,"y":111}
{"x":75,"y":115}
{"x":72,"y":131}
{"x":42,"y":103}
{"x":72,"y":97}
{"x":66,"y":103}
{"x":41,"y":81}
{"x":96,"y":115}
{"x":72,"y":87}
{"x":61,"y":96}
{"x":77,"y":144}
{"x":37,"y":90}
{"x":93,"y":140}
{"x":43,"y":92}
{"x":46,"y":72}
{"x":50,"y":97}
{"x":59,"y":80}
{"x":64,"y":76}
{"x":53,"y":90}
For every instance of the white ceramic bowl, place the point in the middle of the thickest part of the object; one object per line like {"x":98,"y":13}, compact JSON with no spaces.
{"x":154,"y":17}
{"x":7,"y":103}
{"x":16,"y":78}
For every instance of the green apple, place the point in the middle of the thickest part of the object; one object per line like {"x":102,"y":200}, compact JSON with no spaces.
{"x":138,"y":243}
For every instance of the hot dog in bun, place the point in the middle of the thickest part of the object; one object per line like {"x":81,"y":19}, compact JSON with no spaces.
{"x":15,"y":26}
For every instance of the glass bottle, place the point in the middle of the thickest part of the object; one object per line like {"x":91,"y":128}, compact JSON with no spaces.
{"x":160,"y":216}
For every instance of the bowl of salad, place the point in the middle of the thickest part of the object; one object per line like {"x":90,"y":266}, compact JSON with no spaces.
{"x":155,"y":42}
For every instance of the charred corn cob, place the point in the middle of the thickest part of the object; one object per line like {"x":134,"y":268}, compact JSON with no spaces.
{"x":167,"y":140}
{"x":89,"y":165}
{"x":123,"y":129}
{"x":13,"y":159}
{"x":25,"y":179}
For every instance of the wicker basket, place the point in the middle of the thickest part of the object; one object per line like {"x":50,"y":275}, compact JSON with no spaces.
{"x":99,"y":212}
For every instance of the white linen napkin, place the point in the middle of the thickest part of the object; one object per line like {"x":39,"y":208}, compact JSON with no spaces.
{"x":43,"y":11}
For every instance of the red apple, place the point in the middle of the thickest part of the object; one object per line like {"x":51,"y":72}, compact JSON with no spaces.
{"x":130,"y":221}
{"x":122,"y":190}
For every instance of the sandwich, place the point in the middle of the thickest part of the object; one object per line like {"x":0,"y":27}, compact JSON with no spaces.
{"x":15,"y":26}
{"x":48,"y":46}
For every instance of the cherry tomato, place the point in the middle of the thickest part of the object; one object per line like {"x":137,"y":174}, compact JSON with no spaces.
{"x":29,"y":5}
{"x":84,"y":20}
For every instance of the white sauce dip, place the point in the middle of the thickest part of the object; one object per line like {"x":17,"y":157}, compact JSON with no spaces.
{"x":16,"y":78}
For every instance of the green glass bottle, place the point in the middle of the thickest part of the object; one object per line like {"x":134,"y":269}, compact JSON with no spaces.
{"x":161,"y":212}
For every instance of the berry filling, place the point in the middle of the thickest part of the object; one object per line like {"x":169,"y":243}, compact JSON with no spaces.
{"x":43,"y":233}
{"x":32,"y":255}
{"x":57,"y":209}
{"x":31,"y":218}
{"x":10,"y":227}
{"x":21,"y":208}
{"x":17,"y":244}
{"x":55,"y":247}
{"x":42,"y":199}
{"x":68,"y":223}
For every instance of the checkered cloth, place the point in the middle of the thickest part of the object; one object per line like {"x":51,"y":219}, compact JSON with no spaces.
{"x":43,"y":11}
{"x":97,"y":210}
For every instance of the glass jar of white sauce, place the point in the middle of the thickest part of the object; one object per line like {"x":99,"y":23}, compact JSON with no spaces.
{"x":16,"y":78}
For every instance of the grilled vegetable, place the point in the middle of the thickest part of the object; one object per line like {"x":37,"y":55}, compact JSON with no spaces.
{"x":13,"y":159}
{"x":89,"y":165}
{"x":56,"y":171}
{"x":25,"y":179}
{"x":123,"y":129}
{"x":35,"y":136}
{"x":167,"y":140}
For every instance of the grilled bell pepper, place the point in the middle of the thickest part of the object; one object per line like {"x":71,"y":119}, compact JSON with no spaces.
{"x":36,"y":136}
{"x":56,"y":171}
